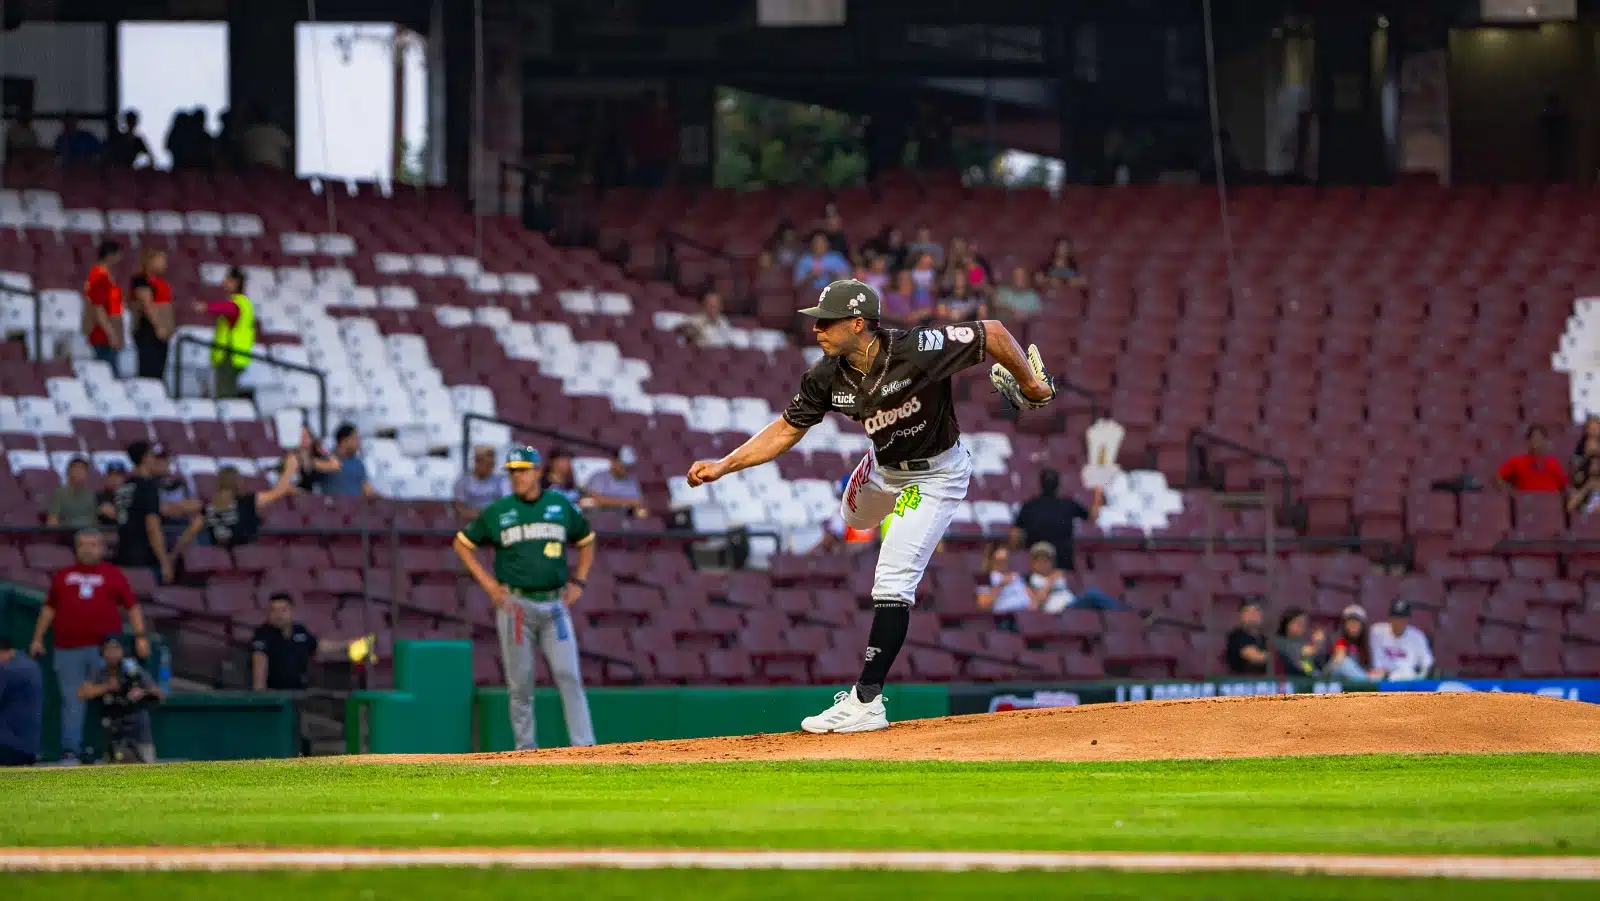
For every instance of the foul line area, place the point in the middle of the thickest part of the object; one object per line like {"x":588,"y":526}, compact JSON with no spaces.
{"x":247,"y":859}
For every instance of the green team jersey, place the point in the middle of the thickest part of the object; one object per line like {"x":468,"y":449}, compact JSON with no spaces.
{"x":530,"y":539}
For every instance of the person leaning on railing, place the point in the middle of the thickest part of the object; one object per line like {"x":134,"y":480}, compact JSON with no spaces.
{"x":235,"y":335}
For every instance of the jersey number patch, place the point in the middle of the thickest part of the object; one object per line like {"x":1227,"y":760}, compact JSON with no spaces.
{"x":929,"y":339}
{"x":552,"y":549}
{"x":960,"y":334}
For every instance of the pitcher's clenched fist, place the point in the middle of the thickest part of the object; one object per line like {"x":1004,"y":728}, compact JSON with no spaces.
{"x":704,"y":471}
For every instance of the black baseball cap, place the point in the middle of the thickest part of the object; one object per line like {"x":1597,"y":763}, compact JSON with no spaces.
{"x":846,"y":299}
{"x":138,"y":450}
{"x":1400,"y":608}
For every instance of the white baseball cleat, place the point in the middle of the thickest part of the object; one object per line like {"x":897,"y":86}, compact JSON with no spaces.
{"x":848,"y":715}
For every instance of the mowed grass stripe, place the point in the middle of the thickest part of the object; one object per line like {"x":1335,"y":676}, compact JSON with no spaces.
{"x":1504,"y":805}
{"x":255,"y":859}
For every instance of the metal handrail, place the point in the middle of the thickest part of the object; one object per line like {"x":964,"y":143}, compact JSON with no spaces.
{"x":319,"y":375}
{"x":468,"y":419}
{"x":667,"y":242}
{"x":1200,"y":465}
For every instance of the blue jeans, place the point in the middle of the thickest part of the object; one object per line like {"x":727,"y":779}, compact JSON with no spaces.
{"x":74,"y":666}
{"x":1095,"y":599}
{"x":108,"y":355}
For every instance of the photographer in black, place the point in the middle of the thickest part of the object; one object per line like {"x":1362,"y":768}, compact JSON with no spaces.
{"x":126,"y":694}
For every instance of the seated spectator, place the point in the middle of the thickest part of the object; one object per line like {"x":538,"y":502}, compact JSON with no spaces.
{"x":21,"y":706}
{"x":962,"y":303}
{"x":820,"y":266}
{"x":233,"y":517}
{"x":1298,"y":654}
{"x":106,"y":500}
{"x":1062,"y":270}
{"x":22,"y":140}
{"x":709,"y":327}
{"x":74,"y":145}
{"x":1246,"y":654}
{"x":964,"y":258}
{"x":126,"y":693}
{"x":481,"y":486}
{"x":1585,"y":494}
{"x":924,"y":245}
{"x":73,"y":504}
{"x":616,"y":488}
{"x":874,"y":273}
{"x":281,"y":649}
{"x":558,"y":477}
{"x":1005,"y":591}
{"x":833,"y":230}
{"x":1017,"y":299}
{"x":1400,"y":652}
{"x":1535,"y":471}
{"x":1588,"y":446}
{"x":891,"y":245}
{"x":907,"y":304}
{"x":1351,"y":650}
{"x":786,"y":247}
{"x":126,"y":146}
{"x":1049,"y":590}
{"x":311,"y":462}
{"x":350,"y":479}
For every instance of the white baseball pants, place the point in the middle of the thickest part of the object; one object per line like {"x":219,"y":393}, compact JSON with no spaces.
{"x":919,"y":504}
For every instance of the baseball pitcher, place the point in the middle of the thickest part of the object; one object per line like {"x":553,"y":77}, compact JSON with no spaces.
{"x":897,"y":385}
{"x":529,"y":530}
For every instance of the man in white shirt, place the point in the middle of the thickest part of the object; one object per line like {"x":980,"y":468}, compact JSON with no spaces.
{"x":1400,"y":649}
{"x":709,"y":327}
{"x":1006,"y":592}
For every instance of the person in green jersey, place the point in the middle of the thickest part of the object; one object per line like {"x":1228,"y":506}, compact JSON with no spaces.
{"x":531,"y":588}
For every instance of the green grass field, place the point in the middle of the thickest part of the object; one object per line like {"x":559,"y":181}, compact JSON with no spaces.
{"x":1523,"y":804}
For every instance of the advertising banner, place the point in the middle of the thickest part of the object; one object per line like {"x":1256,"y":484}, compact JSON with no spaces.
{"x":1566,"y":689}
{"x":1031,"y":695}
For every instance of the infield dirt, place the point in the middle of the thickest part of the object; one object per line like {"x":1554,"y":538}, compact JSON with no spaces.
{"x":1260,"y":726}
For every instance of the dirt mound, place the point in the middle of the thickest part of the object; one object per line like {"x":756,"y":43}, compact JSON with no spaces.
{"x":1265,"y":726}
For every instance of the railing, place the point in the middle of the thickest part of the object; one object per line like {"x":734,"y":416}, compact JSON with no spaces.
{"x":740,"y":300}
{"x":563,"y":437}
{"x":38,"y":318}
{"x":1205,"y":471}
{"x":319,"y":375}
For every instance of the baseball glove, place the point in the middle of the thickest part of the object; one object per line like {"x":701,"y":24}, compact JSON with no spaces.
{"x":1006,"y":383}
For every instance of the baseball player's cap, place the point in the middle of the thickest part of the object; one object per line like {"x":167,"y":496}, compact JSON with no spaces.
{"x":1400,"y":608}
{"x":846,"y":299}
{"x":522,"y":457}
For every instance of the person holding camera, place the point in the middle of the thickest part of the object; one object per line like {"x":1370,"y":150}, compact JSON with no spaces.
{"x":126,"y":694}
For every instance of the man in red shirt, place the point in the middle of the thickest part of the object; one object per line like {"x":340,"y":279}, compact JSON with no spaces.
{"x":1534,"y":471}
{"x":85,"y":605}
{"x":102,"y":307}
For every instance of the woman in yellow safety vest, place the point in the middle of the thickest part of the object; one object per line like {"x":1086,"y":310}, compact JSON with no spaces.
{"x":235,"y":336}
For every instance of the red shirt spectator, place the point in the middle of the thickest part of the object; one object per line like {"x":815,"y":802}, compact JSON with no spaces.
{"x":104,"y":294}
{"x":1534,"y":471}
{"x":88,"y":601}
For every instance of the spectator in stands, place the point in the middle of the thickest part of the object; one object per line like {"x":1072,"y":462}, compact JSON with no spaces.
{"x":891,"y":245}
{"x":907,"y":304}
{"x":1062,"y":269}
{"x":126,"y":693}
{"x":234,"y":337}
{"x":1052,"y":519}
{"x":1535,"y":471}
{"x":141,"y":542}
{"x":1399,"y":649}
{"x":74,"y":145}
{"x":710,"y":327}
{"x":875,"y":273}
{"x":22,"y":140}
{"x":73,"y":504}
{"x":961,"y":302}
{"x":820,"y":266}
{"x":263,"y":144}
{"x":1352,"y":649}
{"x":1246,"y":653}
{"x":102,"y":308}
{"x":923,"y":244}
{"x":281,"y":650}
{"x":964,"y":258}
{"x":178,"y":502}
{"x":558,"y":477}
{"x":21,"y":706}
{"x":84,"y":605}
{"x":480,"y":486}
{"x":350,"y":479}
{"x":833,"y":230}
{"x":153,"y":320}
{"x":1050,"y":591}
{"x":1017,"y":299}
{"x":924,"y":276}
{"x":1298,"y":654}
{"x":786,"y":246}
{"x":1585,"y":495}
{"x":616,"y":488}
{"x":1003,"y":590}
{"x":232,"y":516}
{"x":126,"y":146}
{"x":106,"y":501}
{"x":312,"y":462}
{"x":227,"y":142}
{"x":1588,"y":446}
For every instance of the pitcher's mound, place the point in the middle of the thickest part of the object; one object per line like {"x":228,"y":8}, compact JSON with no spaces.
{"x":1263,"y":726}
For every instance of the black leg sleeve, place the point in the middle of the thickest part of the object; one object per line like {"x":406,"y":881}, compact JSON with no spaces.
{"x":890,"y":622}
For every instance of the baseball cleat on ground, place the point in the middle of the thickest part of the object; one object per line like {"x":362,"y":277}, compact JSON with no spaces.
{"x":848,"y":714}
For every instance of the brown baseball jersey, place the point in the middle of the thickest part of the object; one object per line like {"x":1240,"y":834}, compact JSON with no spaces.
{"x":904,"y":402}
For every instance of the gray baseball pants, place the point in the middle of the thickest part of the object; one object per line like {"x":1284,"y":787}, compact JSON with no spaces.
{"x":522,"y":623}
{"x":919,"y":505}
